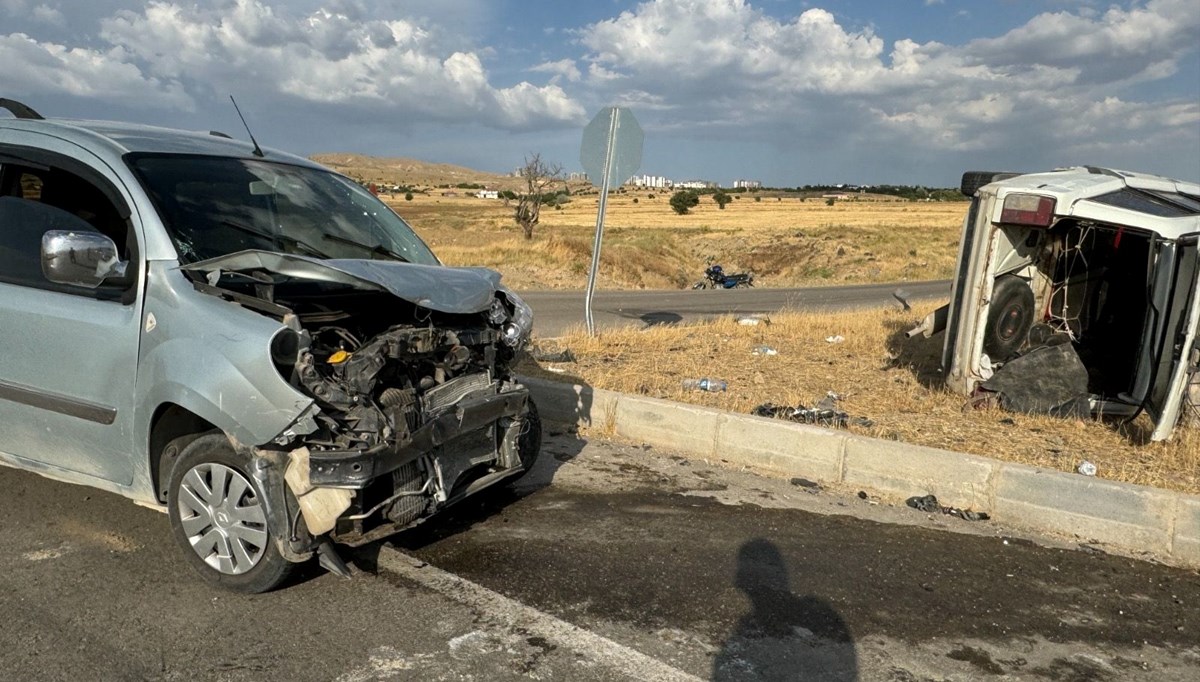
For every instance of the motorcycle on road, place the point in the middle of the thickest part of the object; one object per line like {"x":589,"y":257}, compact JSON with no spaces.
{"x":715,"y":277}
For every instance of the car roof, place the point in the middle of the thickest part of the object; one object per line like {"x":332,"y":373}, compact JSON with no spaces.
{"x":119,"y":138}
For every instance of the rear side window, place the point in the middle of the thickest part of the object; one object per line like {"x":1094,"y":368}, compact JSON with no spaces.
{"x":1161,"y":204}
{"x":35,"y":199}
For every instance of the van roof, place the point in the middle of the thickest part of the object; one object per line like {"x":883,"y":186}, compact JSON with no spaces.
{"x":1112,"y":196}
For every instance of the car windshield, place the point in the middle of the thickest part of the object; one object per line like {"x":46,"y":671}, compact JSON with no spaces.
{"x":215,"y":206}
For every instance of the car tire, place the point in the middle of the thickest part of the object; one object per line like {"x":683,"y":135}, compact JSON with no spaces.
{"x":1010,"y":317}
{"x":219,"y":519}
{"x":529,"y":442}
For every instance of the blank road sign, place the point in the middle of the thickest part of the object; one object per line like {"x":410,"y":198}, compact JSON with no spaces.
{"x":627,"y":146}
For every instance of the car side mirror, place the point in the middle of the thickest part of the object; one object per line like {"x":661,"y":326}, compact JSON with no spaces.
{"x":83,"y":259}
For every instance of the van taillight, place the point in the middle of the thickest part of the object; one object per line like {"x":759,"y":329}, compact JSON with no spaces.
{"x":1027,"y":209}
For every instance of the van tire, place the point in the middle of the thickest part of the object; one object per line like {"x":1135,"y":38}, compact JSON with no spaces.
{"x":255,"y":565}
{"x":1010,"y":317}
{"x":973,"y":180}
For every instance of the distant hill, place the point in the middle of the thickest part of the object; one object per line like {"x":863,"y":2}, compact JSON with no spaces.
{"x":411,"y":172}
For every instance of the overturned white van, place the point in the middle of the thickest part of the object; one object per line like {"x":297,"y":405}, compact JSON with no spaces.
{"x":1077,"y":291}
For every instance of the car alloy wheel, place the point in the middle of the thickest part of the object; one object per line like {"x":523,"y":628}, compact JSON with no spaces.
{"x":223,"y":519}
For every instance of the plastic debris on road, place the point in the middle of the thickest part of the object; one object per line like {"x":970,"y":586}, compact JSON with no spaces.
{"x":705,"y":384}
{"x":753,"y":320}
{"x":929,"y":503}
{"x":825,"y":413}
{"x":1087,"y":468}
{"x":564,"y":355}
{"x":809,"y":486}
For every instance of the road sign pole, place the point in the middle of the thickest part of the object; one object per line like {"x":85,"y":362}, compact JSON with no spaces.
{"x":614,"y":114}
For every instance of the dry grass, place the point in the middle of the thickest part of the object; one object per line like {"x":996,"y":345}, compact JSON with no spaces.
{"x":882,"y":376}
{"x":783,"y":240}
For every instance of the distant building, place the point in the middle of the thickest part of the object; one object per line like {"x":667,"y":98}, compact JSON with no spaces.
{"x":748,"y":184}
{"x":696,"y":184}
{"x":487,"y":194}
{"x":657,"y":181}
{"x":577,"y":177}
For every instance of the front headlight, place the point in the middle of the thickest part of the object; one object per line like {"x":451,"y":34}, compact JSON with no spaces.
{"x":520,"y":325}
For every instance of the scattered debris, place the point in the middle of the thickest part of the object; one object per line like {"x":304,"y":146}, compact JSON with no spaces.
{"x":825,"y":413}
{"x":705,"y":384}
{"x":810,"y":486}
{"x":753,"y":320}
{"x":929,"y":503}
{"x":1087,"y":468}
{"x":837,"y":338}
{"x":556,"y":370}
{"x":564,"y":355}
{"x":862,"y":495}
{"x":902,"y":295}
{"x":763,"y":350}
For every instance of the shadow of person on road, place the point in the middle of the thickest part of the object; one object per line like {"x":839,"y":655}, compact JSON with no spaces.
{"x":783,"y":637}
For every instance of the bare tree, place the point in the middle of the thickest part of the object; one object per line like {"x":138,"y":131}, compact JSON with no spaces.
{"x":539,"y":178}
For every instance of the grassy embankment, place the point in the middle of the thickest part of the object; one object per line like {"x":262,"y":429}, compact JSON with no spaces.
{"x":783,"y":240}
{"x":882,"y":376}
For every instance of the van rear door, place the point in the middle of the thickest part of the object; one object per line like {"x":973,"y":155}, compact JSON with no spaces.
{"x":1177,"y":354}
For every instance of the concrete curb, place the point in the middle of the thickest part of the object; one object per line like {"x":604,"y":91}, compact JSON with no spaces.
{"x":1128,"y":517}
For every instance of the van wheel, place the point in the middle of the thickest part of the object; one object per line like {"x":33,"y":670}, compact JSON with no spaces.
{"x":1010,"y":317}
{"x":218,"y":518}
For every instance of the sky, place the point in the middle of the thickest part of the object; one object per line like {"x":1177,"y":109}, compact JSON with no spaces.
{"x":785,"y":92}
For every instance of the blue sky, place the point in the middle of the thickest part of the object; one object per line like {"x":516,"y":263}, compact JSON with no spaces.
{"x":895,"y":91}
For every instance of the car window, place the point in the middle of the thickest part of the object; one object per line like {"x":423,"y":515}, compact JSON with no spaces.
{"x":215,"y":206}
{"x":1162,"y":204}
{"x":36,"y":200}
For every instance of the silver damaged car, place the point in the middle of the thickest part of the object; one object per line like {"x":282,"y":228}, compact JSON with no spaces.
{"x":246,"y":340}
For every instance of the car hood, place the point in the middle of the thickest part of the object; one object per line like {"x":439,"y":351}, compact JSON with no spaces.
{"x":437,"y":287}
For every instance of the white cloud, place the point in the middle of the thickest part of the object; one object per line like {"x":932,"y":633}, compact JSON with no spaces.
{"x":47,"y":15}
{"x":565,"y":68}
{"x":48,"y":68}
{"x":383,"y":67}
{"x":724,"y":62}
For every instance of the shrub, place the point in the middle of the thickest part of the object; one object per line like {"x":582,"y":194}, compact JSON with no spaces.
{"x":684,"y":199}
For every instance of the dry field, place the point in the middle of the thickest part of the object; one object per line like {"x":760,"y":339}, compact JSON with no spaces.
{"x":784,"y":240}
{"x":881,"y":376}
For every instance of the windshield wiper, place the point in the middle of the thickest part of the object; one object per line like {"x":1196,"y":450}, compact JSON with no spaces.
{"x":276,"y":238}
{"x":377,"y":248}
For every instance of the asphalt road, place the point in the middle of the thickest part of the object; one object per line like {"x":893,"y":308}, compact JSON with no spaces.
{"x":607,"y":563}
{"x":554,"y":311}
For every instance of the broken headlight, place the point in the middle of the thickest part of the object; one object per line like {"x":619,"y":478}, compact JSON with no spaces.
{"x":517,"y":328}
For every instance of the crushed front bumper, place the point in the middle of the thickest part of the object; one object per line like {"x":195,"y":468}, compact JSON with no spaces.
{"x":357,"y":468}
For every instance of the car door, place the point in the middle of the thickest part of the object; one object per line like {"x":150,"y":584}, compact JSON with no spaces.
{"x":1177,"y":355}
{"x":68,"y":355}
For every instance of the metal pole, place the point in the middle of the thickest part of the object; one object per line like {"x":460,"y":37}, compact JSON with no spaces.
{"x":608,"y":158}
